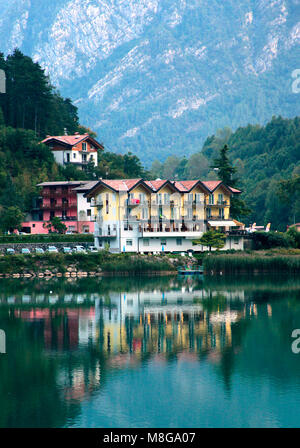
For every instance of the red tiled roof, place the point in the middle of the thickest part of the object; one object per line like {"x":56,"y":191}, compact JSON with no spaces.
{"x":211,"y":184}
{"x":68,"y":139}
{"x":122,"y":184}
{"x":234,"y":190}
{"x":185,"y":185}
{"x":71,"y":140}
{"x":155,"y":184}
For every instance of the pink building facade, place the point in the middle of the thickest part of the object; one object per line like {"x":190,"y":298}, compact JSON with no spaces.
{"x":61,"y":199}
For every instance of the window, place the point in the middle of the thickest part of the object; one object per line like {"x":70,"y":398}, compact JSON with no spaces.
{"x":159,"y":198}
{"x":209,"y":212}
{"x":89,"y":212}
{"x":84,"y":157}
{"x":190,"y":213}
{"x":163,"y":242}
{"x":88,"y":200}
{"x":211,"y":200}
{"x":190,"y":197}
{"x":128,"y":242}
{"x":179,"y":241}
{"x":74,"y":155}
{"x":220,"y":198}
{"x":84,"y":146}
{"x":107,"y":203}
{"x":146,"y":242}
{"x":33,"y":225}
{"x":68,"y":157}
{"x":221,"y":213}
{"x":198,"y":197}
{"x":145,"y":213}
{"x":166,"y":198}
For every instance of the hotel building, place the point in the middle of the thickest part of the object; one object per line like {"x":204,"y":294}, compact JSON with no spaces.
{"x":134,"y":215}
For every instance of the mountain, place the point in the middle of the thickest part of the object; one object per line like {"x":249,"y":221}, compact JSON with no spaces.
{"x":156,"y":77}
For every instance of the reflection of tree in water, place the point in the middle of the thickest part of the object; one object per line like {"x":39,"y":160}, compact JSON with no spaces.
{"x":41,"y":384}
{"x":29,"y":394}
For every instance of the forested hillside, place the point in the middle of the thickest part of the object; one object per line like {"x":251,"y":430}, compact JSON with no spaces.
{"x":30,"y":109}
{"x":264,"y":156}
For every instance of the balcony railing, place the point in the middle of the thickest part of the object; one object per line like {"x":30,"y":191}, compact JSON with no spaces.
{"x":217,"y":204}
{"x":131,"y":202}
{"x":106,"y":234}
{"x":163,"y":202}
{"x":99,"y":203}
{"x":130,"y":218}
{"x":170,"y":230}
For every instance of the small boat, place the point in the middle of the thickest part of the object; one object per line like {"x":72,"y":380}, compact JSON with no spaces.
{"x":190,"y":270}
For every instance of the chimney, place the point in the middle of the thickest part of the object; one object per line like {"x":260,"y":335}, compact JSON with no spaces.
{"x":76,"y":133}
{"x":65,"y":131}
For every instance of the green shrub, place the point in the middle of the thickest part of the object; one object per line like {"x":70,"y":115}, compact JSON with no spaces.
{"x":268,"y":240}
{"x":294,"y":236}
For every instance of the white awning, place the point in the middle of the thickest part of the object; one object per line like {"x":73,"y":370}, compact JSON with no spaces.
{"x":222,"y":223}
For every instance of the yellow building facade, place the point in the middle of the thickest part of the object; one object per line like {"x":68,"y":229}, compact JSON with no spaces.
{"x":133,"y":215}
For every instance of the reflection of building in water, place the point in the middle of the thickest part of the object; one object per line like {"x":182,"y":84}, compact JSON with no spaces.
{"x":138,"y":322}
{"x":169,"y":322}
{"x":63,"y":328}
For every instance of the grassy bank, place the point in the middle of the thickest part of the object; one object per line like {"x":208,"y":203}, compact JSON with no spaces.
{"x":272,"y":261}
{"x":92,"y":264}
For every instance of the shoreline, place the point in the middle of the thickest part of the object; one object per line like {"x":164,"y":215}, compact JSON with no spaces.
{"x":106,"y":264}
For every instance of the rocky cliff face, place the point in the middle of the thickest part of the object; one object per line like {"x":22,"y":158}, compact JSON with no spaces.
{"x":158,"y":76}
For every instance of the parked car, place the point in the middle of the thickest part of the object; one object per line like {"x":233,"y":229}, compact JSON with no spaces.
{"x":10,"y":251}
{"x":39,"y":250}
{"x":92,"y":249}
{"x":52,"y":249}
{"x":25,"y":251}
{"x":80,"y":249}
{"x":67,"y":250}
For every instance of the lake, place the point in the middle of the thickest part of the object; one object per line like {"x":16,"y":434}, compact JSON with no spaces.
{"x":150,"y":352}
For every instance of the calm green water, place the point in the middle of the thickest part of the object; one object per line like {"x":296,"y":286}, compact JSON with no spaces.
{"x":150,"y":353}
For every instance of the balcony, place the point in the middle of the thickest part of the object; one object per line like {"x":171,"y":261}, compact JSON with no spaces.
{"x":132,"y":202}
{"x":162,"y":202}
{"x":218,"y":204}
{"x":197,"y":202}
{"x":99,"y":203}
{"x":105,"y":233}
{"x":130,"y":218}
{"x":60,"y":205}
{"x":174,"y":232}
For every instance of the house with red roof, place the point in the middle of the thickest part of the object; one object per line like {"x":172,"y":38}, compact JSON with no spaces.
{"x":77,"y":149}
